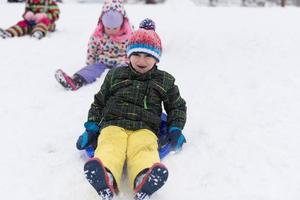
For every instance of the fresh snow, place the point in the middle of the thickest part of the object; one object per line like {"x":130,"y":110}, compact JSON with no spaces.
{"x":237,"y":68}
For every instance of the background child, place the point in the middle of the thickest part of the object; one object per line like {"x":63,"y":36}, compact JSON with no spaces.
{"x":39,"y":18}
{"x":126,"y":111}
{"x":106,"y":48}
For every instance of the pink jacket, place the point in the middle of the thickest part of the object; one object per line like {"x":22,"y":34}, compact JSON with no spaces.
{"x":109,"y":50}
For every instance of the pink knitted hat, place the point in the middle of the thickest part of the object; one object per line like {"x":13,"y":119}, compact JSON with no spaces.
{"x":145,"y":40}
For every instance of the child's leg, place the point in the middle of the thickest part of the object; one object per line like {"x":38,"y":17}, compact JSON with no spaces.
{"x":142,"y":153}
{"x":91,"y":72}
{"x":20,"y":29}
{"x":86,"y":75}
{"x":41,"y":27}
{"x":111,"y":150}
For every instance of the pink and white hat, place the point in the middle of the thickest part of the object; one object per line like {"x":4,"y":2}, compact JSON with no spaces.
{"x":145,"y":40}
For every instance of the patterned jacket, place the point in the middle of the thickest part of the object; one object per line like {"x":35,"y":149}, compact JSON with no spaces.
{"x":43,"y":6}
{"x":110,"y":50}
{"x":134,"y":101}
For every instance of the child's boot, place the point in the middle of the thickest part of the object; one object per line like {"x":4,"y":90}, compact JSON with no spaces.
{"x":5,"y":34}
{"x":99,"y":178}
{"x":78,"y":80}
{"x":150,"y":181}
{"x":67,"y":82}
{"x":38,"y":35}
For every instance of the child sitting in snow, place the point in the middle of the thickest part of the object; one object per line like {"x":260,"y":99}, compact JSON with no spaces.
{"x":39,"y":18}
{"x":106,"y":48}
{"x":126,"y":114}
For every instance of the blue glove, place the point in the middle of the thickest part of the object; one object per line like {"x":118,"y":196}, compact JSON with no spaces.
{"x":89,"y":136}
{"x":176,"y":138}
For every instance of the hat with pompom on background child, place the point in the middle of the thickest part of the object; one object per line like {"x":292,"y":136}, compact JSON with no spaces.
{"x":145,"y":40}
{"x":112,"y":19}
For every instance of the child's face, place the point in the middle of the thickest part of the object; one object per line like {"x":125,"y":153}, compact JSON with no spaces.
{"x":142,"y":62}
{"x":111,"y":31}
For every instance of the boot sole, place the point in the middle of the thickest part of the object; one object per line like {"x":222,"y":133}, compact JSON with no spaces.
{"x":153,"y":181}
{"x":62,"y":78}
{"x":97,"y":177}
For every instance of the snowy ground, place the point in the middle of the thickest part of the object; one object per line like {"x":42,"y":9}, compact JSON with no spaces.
{"x":237,"y":68}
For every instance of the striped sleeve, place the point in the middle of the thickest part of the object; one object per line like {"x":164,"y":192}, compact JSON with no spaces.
{"x":96,"y":111}
{"x":53,"y":11}
{"x":174,"y":105}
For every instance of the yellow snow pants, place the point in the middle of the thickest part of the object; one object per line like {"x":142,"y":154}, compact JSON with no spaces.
{"x":138,"y":148}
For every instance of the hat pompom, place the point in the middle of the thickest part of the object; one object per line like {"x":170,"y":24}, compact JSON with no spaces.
{"x":147,"y":24}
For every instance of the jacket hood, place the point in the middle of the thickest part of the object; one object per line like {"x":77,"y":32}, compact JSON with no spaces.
{"x":114,"y":5}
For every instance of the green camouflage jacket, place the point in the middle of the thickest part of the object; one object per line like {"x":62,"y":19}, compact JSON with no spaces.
{"x":134,"y":101}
